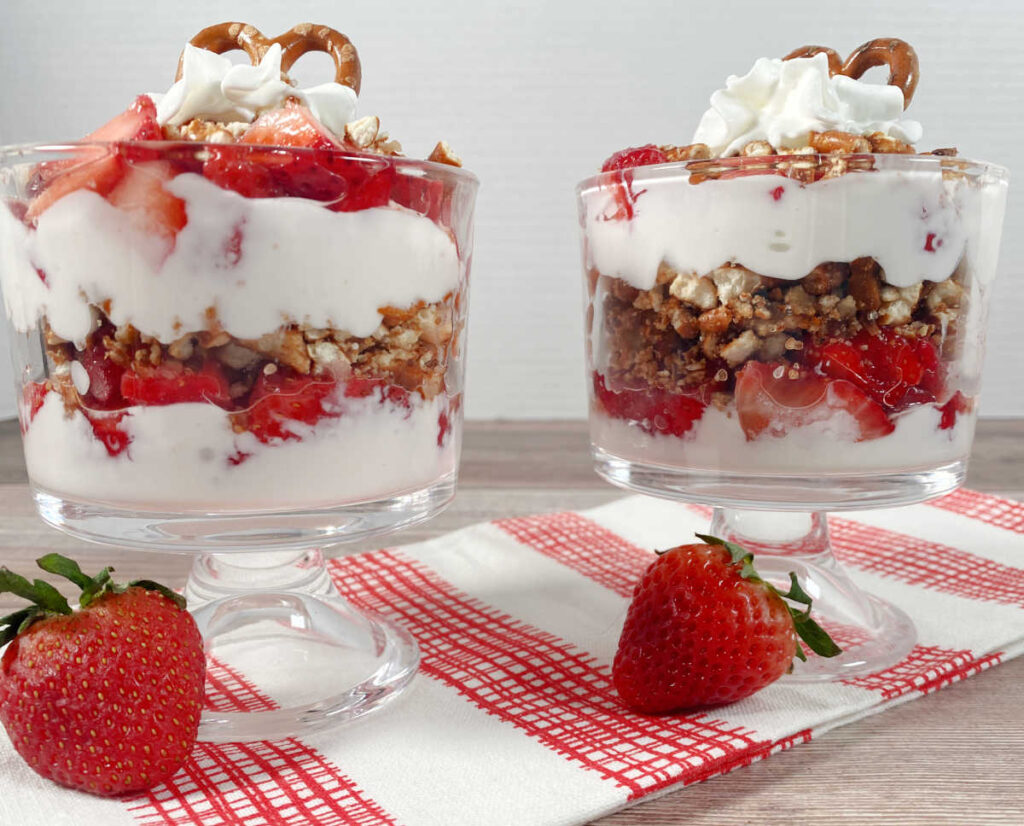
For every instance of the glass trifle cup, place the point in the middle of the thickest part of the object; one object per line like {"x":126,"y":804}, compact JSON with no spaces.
{"x":794,"y":334}
{"x":243,"y":348}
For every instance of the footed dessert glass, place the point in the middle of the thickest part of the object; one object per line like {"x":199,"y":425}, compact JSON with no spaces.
{"x":245,"y":353}
{"x":783,"y":336}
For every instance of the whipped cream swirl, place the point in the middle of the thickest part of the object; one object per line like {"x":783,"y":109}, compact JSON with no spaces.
{"x":783,"y":101}
{"x":212,"y":87}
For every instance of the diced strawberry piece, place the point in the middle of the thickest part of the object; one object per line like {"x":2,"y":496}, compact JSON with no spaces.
{"x":173,"y":384}
{"x":361,"y":388}
{"x":107,"y":428}
{"x":280,"y":398}
{"x":99,"y":174}
{"x":624,"y":162}
{"x":958,"y":403}
{"x":152,"y":209}
{"x":420,"y":195}
{"x":375,"y":191}
{"x":238,"y":169}
{"x":136,"y":123}
{"x":769,"y":401}
{"x":33,"y":394}
{"x":656,"y":411}
{"x":294,"y":125}
{"x":894,"y":370}
{"x":95,"y":168}
{"x":634,"y":156}
{"x":104,"y":391}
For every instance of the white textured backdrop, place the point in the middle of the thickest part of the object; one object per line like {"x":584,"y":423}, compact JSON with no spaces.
{"x":534,"y":95}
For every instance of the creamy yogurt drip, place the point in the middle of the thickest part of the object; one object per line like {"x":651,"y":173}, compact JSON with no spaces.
{"x":259,"y":262}
{"x":214,"y":88}
{"x":783,"y":101}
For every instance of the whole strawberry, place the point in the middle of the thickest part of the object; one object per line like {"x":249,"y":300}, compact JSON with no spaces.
{"x":105,"y":699}
{"x":704,"y":629}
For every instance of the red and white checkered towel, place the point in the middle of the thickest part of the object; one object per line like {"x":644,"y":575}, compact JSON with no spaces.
{"x":513,"y":720}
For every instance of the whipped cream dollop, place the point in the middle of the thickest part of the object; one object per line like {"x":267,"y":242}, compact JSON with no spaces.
{"x":214,"y":88}
{"x":783,"y":101}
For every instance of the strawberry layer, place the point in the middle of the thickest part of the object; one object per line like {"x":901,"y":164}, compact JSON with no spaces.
{"x":187,"y":457}
{"x":717,"y":442}
{"x":255,"y":261}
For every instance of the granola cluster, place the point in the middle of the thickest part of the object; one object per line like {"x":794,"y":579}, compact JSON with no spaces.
{"x":410,"y":349}
{"x":694,"y":330}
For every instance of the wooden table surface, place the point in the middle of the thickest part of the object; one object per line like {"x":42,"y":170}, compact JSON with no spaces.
{"x":956,"y":756}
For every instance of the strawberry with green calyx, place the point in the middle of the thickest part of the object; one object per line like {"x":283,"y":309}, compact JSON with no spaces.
{"x":704,"y":629}
{"x":107,"y":698}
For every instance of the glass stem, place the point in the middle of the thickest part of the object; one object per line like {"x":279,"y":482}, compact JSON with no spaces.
{"x":776,"y":533}
{"x":220,"y":575}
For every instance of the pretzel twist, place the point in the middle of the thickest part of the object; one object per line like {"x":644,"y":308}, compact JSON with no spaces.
{"x":835,"y":62}
{"x":306,"y":37}
{"x":897,"y":54}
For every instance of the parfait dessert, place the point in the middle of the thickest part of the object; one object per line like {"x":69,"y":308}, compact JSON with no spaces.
{"x":237,"y":296}
{"x":798,"y":291}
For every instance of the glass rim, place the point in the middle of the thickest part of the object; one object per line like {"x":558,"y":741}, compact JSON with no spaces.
{"x":879,"y":160}
{"x":12,"y":152}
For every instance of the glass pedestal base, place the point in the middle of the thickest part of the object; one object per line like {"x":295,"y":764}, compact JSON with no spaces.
{"x":286,"y":654}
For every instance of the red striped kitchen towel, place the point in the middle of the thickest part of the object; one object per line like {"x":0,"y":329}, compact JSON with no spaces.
{"x":513,"y":719}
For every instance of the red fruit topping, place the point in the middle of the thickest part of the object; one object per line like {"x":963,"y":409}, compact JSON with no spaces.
{"x":375,"y":191}
{"x":237,"y":169}
{"x":99,"y":174}
{"x":634,"y":156}
{"x":360,"y":388}
{"x":444,"y":427}
{"x":107,"y":428}
{"x":959,"y":403}
{"x":704,"y":629}
{"x":133,"y":660}
{"x":281,"y":398}
{"x":294,"y":125}
{"x":420,"y":195}
{"x":894,"y":370}
{"x":96,"y":168}
{"x":777,"y":193}
{"x":624,"y":162}
{"x":656,"y":411}
{"x":931,"y":243}
{"x":170,"y":383}
{"x":33,"y":396}
{"x":769,"y":401}
{"x":151,"y":208}
{"x":104,"y":391}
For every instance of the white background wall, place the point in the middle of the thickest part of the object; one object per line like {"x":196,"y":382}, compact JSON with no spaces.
{"x":534,"y":95}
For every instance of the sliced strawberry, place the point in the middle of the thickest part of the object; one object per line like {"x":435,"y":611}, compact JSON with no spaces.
{"x":171,"y":383}
{"x":98,"y":174}
{"x":656,"y":411}
{"x":152,"y":209}
{"x":623,"y":163}
{"x":769,"y":401}
{"x":107,"y":428}
{"x":95,"y":168}
{"x":896,"y":371}
{"x":294,"y":125}
{"x":239,"y":170}
{"x":283,"y":397}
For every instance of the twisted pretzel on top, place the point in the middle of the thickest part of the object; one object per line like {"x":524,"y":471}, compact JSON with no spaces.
{"x":897,"y":54}
{"x":306,"y":37}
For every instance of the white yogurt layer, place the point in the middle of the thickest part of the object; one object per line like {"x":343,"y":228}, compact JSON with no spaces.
{"x":178,"y":458}
{"x":717,"y":443}
{"x":916,"y":225}
{"x":259,"y":262}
